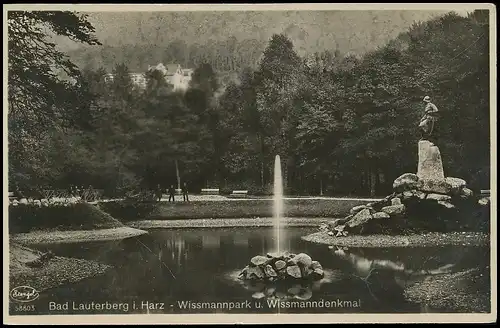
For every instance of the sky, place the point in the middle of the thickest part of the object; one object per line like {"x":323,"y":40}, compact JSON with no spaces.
{"x":356,"y":31}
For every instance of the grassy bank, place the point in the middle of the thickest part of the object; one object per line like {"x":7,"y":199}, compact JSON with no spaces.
{"x":414,"y":240}
{"x":50,"y":273}
{"x":79,"y":216}
{"x":244,"y":208}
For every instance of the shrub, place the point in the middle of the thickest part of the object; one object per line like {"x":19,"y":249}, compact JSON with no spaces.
{"x":76,"y":216}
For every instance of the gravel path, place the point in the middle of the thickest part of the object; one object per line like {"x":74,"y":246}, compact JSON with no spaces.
{"x":219,"y":223}
{"x":42,"y":237}
{"x":428,"y":239}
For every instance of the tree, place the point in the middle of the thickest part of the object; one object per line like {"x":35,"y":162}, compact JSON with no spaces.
{"x":38,"y":98}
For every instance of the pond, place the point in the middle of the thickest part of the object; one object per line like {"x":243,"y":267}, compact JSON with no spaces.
{"x":190,"y":270}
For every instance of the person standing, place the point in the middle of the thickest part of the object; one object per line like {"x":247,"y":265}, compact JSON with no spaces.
{"x":171,"y":193}
{"x":185,"y":195}
{"x":159,"y":193}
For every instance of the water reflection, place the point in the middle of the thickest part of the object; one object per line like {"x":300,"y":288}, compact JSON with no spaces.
{"x":201,"y":265}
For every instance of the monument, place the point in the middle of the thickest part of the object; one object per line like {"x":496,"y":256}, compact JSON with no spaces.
{"x":425,"y":201}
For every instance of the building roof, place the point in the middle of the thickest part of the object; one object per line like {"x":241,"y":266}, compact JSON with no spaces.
{"x":169,"y":69}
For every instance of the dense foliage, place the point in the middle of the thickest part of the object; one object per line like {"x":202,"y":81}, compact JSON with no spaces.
{"x":342,"y":124}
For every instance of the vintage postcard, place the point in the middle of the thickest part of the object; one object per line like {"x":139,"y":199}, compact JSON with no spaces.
{"x":279,"y":163}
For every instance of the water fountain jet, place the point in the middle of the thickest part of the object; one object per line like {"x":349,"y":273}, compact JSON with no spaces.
{"x":281,"y":265}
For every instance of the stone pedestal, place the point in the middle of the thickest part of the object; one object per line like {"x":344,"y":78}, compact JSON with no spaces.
{"x":430,"y":165}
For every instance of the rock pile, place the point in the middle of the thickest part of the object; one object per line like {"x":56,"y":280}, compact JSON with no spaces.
{"x":285,"y":266}
{"x":427,"y":193}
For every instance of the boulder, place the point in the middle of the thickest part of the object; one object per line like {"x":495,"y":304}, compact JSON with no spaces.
{"x":394,"y":209}
{"x":269,"y":271}
{"x":358,"y":208}
{"x":259,"y":260}
{"x":244,"y":271}
{"x":439,"y":197}
{"x":362,"y":217}
{"x":396,"y":201}
{"x":254,"y":273}
{"x":430,"y":165}
{"x":456,"y":184}
{"x":420,"y":194}
{"x":484,"y":201}
{"x":404,"y":182}
{"x":446,"y":204}
{"x":317,"y":274}
{"x":316,"y":265}
{"x":408,"y":194}
{"x":23,"y":201}
{"x":280,"y":264}
{"x":439,"y":186}
{"x":303,"y":260}
{"x":332,"y":224}
{"x":466,"y":193}
{"x":293,"y":271}
{"x":381,"y":215}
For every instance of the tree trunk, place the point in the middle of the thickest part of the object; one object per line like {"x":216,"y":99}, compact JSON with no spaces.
{"x":373,"y":182}
{"x":178,"y":175}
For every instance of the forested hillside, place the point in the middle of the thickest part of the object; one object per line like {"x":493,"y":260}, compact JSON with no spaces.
{"x":342,"y":124}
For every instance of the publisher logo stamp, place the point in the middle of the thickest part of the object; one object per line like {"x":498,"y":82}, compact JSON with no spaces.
{"x":24,"y":294}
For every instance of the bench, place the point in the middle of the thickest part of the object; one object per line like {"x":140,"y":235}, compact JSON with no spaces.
{"x":485,"y":192}
{"x":208,"y":191}
{"x":11,"y":195}
{"x":239,"y":193}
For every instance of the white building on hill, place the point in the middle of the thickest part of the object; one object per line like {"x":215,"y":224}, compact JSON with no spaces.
{"x":174,"y":75}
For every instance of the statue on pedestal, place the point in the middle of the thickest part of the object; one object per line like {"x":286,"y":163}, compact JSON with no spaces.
{"x":429,"y":119}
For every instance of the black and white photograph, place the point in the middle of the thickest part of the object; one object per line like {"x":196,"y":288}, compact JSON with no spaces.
{"x":249,"y":160}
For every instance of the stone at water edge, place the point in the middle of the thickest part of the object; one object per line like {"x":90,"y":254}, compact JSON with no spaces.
{"x":405,"y":182}
{"x":337,"y":222}
{"x":358,"y":208}
{"x":446,"y":204}
{"x":456,"y":184}
{"x":381,"y":215}
{"x":316,"y":265}
{"x":303,"y":259}
{"x":259,"y":260}
{"x":280,"y":264}
{"x":484,"y":201}
{"x":438,"y":197}
{"x":293,"y":271}
{"x":394,"y":209}
{"x":430,"y":165}
{"x":269,"y":271}
{"x":420,"y":194}
{"x":360,"y":218}
{"x":317,"y":274}
{"x":255,"y":272}
{"x":396,"y":201}
{"x":466,"y":193}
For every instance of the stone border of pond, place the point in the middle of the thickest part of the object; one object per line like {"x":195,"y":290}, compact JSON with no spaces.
{"x":412,"y":240}
{"x":73,"y":236}
{"x":222,"y":223}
